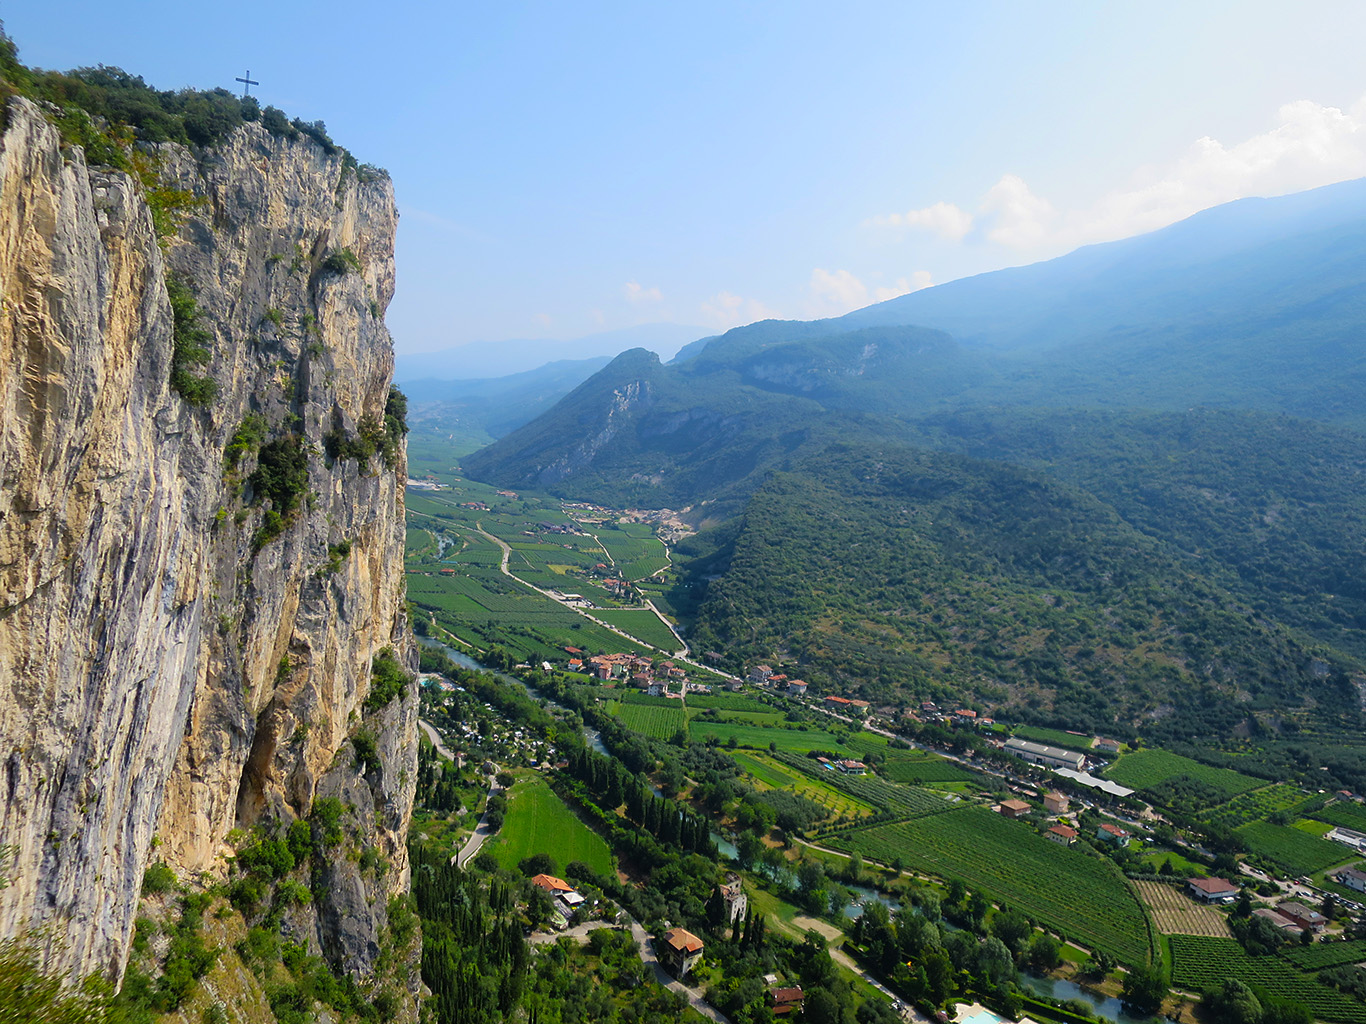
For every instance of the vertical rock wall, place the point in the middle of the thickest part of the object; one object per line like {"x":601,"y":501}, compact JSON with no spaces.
{"x":164,"y":678}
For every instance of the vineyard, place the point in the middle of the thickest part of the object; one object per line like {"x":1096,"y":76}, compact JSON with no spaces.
{"x":1298,"y":852}
{"x":727,"y":702}
{"x":659,"y":723}
{"x":1258,"y":804}
{"x":1175,"y":913}
{"x":768,"y":773}
{"x":645,"y":626}
{"x":1064,"y":889}
{"x":903,"y":801}
{"x":1144,"y":769}
{"x":1203,"y":963}
{"x":1326,"y":954}
{"x":1347,"y":815}
{"x":918,"y":767}
{"x":759,"y":737}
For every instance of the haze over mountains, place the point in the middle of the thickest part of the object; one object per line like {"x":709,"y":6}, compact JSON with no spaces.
{"x":1097,"y":490}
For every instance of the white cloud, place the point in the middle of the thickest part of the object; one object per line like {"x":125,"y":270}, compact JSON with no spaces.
{"x":918,"y":280}
{"x":837,"y":292}
{"x":725,"y":310}
{"x":943,"y":219}
{"x":636,"y":294}
{"x":1015,"y":216}
{"x":1311,"y":145}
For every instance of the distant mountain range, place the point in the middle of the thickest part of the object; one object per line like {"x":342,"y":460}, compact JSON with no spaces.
{"x":1122,"y":489}
{"x":488,"y":359}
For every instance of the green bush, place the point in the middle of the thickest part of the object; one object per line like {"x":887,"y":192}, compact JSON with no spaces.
{"x":342,"y":261}
{"x":187,"y":345}
{"x":387,"y":680}
{"x":158,"y":878}
{"x":249,"y":436}
{"x":327,"y":815}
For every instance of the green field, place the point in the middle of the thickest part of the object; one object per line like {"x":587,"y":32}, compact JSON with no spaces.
{"x":759,"y":737}
{"x":727,"y":702}
{"x":1053,"y":737}
{"x":769,"y":773}
{"x":1348,"y":815}
{"x":1063,"y":888}
{"x":1298,"y":852}
{"x":919,"y":767}
{"x":1200,"y":963}
{"x":662,"y":723}
{"x":1144,"y":769}
{"x":538,"y":822}
{"x":901,"y":800}
{"x":1326,"y":954}
{"x":645,"y":626}
{"x":762,"y":718}
{"x":1258,"y":804}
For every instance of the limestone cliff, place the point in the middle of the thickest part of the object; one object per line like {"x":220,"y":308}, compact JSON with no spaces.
{"x":169,"y":670}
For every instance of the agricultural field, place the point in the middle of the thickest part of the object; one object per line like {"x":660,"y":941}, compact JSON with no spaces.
{"x":645,"y":626}
{"x":1322,"y":955}
{"x":539,"y":822}
{"x":919,"y":767}
{"x":659,"y":723}
{"x":905,"y":801}
{"x":417,"y":541}
{"x":761,"y":718}
{"x":1348,"y":815}
{"x":727,"y":702}
{"x":1143,"y":769}
{"x":1298,"y":852}
{"x":769,"y":774}
{"x":635,"y":550}
{"x":759,"y":737}
{"x":1053,"y":737}
{"x":1062,"y":888}
{"x":1258,"y":804}
{"x":1175,"y":913}
{"x":1200,"y":963}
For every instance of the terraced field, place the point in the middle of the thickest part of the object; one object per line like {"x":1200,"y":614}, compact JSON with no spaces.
{"x":898,"y":799}
{"x":1202,"y":963}
{"x":1064,"y":889}
{"x":1257,"y":804}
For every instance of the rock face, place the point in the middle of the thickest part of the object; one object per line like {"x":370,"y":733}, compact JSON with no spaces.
{"x":167,"y":673}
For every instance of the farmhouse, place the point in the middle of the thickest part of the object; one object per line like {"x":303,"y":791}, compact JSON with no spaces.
{"x":853,"y":767}
{"x":796,"y":688}
{"x":1212,"y":890}
{"x":1014,"y":808}
{"x":838,"y":703}
{"x":1062,"y":835}
{"x":1352,"y":878}
{"x":1276,"y":918}
{"x":784,"y":1000}
{"x":1039,"y":753}
{"x":1301,"y":915}
{"x":1113,"y":834}
{"x":759,"y":674}
{"x":1055,"y":803}
{"x":680,"y":951}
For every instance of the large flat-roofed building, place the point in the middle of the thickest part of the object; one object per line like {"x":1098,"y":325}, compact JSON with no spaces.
{"x":1040,"y":753}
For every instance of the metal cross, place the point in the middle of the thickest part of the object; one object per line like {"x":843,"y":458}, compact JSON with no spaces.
{"x":247,"y":83}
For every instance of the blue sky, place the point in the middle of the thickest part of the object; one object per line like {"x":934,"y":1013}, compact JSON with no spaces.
{"x":564,"y":169}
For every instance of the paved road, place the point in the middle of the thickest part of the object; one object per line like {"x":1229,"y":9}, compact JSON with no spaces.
{"x":435,"y":737}
{"x":471,"y":848}
{"x":692,"y":995}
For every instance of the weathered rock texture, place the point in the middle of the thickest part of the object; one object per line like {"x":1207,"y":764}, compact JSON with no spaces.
{"x":143,"y":691}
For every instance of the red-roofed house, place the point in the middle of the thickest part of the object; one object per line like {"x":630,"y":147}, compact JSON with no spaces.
{"x":551,"y":884}
{"x":1113,"y":834}
{"x":1062,"y":835}
{"x":1014,"y":808}
{"x":784,"y":1000}
{"x":1212,"y":890}
{"x":680,"y":951}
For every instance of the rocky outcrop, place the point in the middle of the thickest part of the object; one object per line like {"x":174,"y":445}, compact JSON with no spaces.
{"x":169,"y":670}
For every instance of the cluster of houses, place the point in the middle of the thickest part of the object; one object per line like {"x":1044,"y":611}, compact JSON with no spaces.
{"x":655,"y":678}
